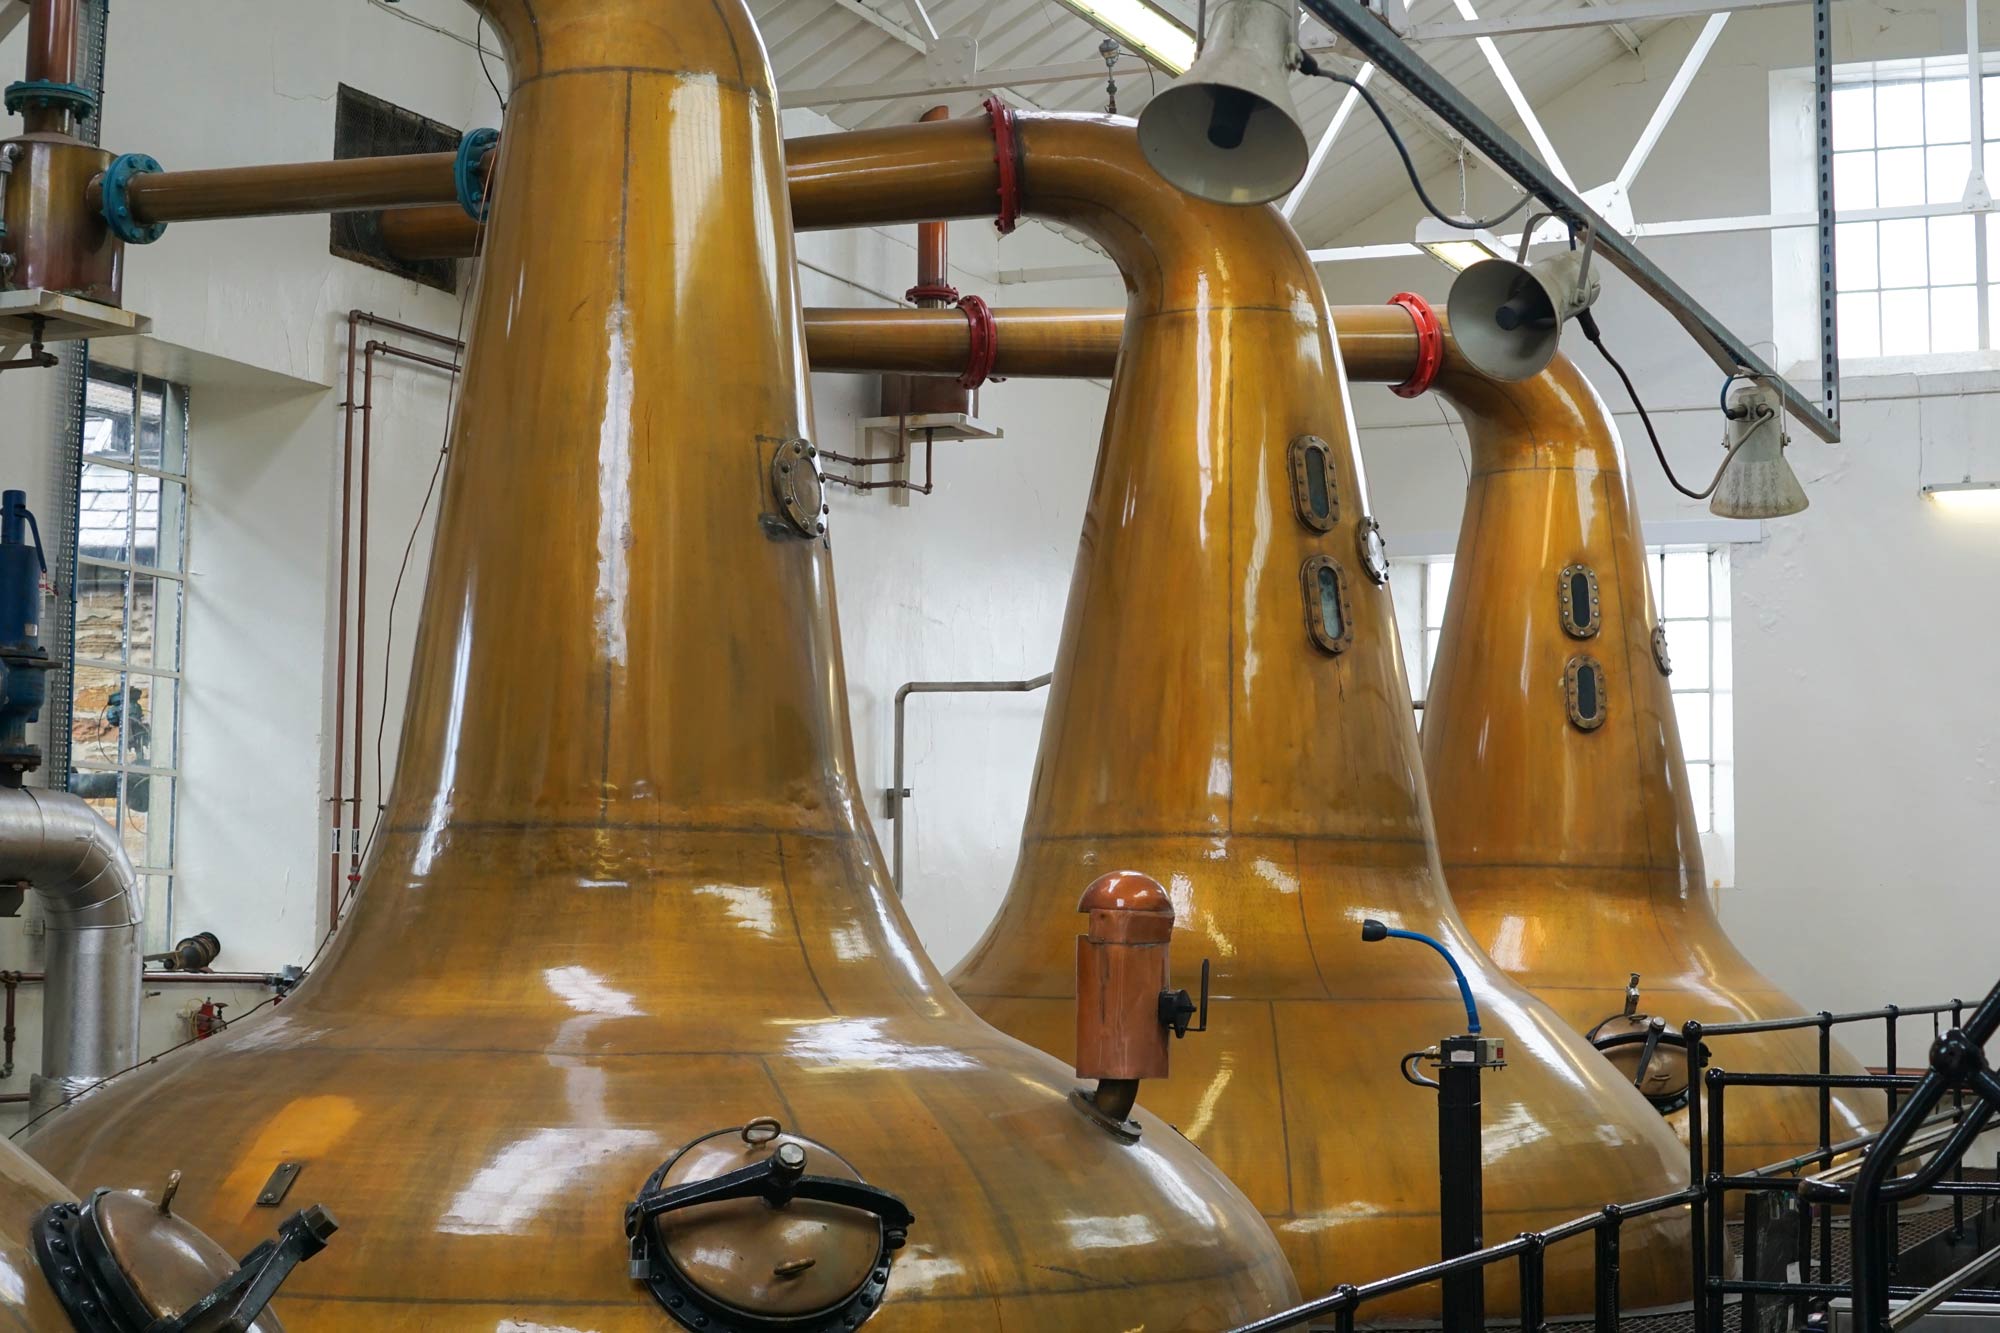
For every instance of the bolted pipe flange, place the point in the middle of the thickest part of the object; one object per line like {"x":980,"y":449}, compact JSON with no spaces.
{"x":466,"y":173}
{"x":118,"y":204}
{"x":48,"y":95}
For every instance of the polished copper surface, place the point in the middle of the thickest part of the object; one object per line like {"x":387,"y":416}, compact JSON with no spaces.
{"x":52,"y":33}
{"x":435,"y":232}
{"x":1033,"y":342}
{"x":785,"y":1262}
{"x":1122,"y":966}
{"x":26,"y":1302}
{"x":1573,"y":855}
{"x":57,"y":244}
{"x":343,"y":185}
{"x":624,"y":892}
{"x":1194,"y":730}
{"x":169,"y":1262}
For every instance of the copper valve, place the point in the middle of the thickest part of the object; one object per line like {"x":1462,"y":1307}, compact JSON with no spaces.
{"x":1126,"y":1012}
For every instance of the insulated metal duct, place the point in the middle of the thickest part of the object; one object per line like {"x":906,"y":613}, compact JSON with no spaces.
{"x":90,"y":900}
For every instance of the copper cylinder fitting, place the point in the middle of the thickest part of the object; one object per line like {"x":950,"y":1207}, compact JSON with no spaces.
{"x":1121,"y":971}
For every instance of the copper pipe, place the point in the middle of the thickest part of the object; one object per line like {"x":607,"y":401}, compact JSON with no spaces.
{"x":933,"y":243}
{"x":444,"y":232}
{"x":52,"y":28}
{"x":368,"y":355}
{"x":342,"y":186}
{"x":355,"y":319}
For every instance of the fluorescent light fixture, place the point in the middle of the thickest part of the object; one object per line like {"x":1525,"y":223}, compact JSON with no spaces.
{"x":1968,"y":496}
{"x":1456,"y":247}
{"x":1144,"y":28}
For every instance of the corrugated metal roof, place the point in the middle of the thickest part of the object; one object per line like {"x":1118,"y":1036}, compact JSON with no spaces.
{"x":817,"y":45}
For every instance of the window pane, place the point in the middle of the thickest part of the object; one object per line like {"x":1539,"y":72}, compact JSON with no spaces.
{"x":104,"y":513}
{"x":1947,"y":111}
{"x":1718,"y":584}
{"x":162,"y":514}
{"x":149,"y":820}
{"x":159,"y":928}
{"x":1723,"y":676}
{"x":1692,"y":712}
{"x":1955,"y":319}
{"x":155,"y":635}
{"x":1431,"y":638}
{"x":1686,"y":592}
{"x":1906,"y":323}
{"x":1854,"y":252}
{"x":150,"y":730}
{"x":1687,"y":647}
{"x":173,"y":457}
{"x":1406,"y":594}
{"x":1945,"y":170}
{"x":107,"y":419}
{"x":97,"y":717}
{"x":1901,"y":253}
{"x":1699,"y":793}
{"x":1990,"y":113}
{"x":1437,"y":589}
{"x":1952,"y":260}
{"x":1723,"y":727}
{"x":1899,"y":114}
{"x":1854,"y":180}
{"x":100,"y":613}
{"x":1854,"y":116}
{"x":1860,"y":317}
{"x":1899,"y":177}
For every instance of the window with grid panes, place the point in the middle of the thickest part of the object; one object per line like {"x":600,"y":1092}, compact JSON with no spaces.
{"x":1902,"y":138}
{"x":1691,"y":595}
{"x":130,"y":564}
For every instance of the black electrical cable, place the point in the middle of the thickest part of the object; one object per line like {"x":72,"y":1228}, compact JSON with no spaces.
{"x":479,"y":45}
{"x":1588,"y":323}
{"x":1307,"y":65}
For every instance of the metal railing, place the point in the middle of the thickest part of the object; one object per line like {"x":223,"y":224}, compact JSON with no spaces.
{"x":1854,"y":1174}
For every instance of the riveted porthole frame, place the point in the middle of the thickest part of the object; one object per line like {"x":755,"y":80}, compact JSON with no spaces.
{"x":1579,"y":621}
{"x":1373,"y":549}
{"x":1661,"y":657}
{"x":797,"y":487}
{"x":1573,"y":692}
{"x":1312,"y":456}
{"x":1316,"y":628}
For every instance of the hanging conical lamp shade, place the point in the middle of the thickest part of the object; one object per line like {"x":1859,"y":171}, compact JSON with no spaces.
{"x":1758,"y":482}
{"x":624,"y":896}
{"x":1556,"y":774}
{"x":1228,"y":713}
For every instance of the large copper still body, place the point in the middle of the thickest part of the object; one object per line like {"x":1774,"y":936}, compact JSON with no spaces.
{"x":624,"y":894}
{"x":1202,"y":728}
{"x":1570,"y":844}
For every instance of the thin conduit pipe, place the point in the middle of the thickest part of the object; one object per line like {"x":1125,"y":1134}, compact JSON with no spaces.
{"x":899,"y":793}
{"x":355,"y":319}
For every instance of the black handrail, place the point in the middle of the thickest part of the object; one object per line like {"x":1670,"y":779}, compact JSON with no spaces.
{"x":1957,"y":1065}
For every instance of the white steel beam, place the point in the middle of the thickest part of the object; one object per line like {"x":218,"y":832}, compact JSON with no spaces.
{"x":925,"y":28}
{"x":1333,"y":129}
{"x":1529,"y":120}
{"x":1557,"y":20}
{"x":1670,"y":101}
{"x":1622,"y":31}
{"x":890,"y":26}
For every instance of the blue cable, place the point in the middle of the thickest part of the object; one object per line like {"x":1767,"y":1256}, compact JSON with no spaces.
{"x":1372,"y":930}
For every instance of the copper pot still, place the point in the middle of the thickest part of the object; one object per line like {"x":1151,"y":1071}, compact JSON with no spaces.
{"x":624,"y":925}
{"x":1556,"y":768}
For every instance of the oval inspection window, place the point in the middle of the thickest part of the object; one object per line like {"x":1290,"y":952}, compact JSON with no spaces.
{"x":1327,"y":618}
{"x":1583,"y":683}
{"x":1577,"y":590}
{"x":1314,"y":496}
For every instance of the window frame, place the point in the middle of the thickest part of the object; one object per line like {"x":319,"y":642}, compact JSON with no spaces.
{"x":164,"y":572}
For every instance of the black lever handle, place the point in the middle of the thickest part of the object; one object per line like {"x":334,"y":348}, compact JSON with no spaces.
{"x":1178,"y":1008}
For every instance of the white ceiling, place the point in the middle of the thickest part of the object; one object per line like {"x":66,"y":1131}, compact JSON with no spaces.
{"x":820,"y":44}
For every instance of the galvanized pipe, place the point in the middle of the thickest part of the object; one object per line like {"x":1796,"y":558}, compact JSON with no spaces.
{"x":899,"y":793}
{"x":90,"y":899}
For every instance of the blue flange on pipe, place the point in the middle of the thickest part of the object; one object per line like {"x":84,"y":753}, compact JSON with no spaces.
{"x":471,"y":181}
{"x":117,"y":207}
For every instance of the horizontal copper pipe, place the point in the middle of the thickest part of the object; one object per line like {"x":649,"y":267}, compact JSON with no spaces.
{"x":1378,"y":343}
{"x":343,"y":186}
